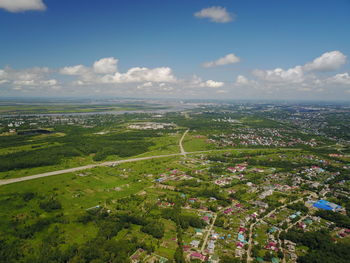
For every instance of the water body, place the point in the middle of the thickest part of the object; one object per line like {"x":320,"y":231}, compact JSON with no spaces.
{"x":34,"y":132}
{"x":159,"y":111}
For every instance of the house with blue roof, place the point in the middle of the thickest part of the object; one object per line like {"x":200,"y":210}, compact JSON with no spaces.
{"x":325,"y":205}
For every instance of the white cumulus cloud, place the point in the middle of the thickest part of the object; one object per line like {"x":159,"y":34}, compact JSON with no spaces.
{"x":292,"y":75}
{"x":216,"y":14}
{"x":342,"y":79}
{"x":212,"y":84}
{"x":105,"y":71}
{"x":105,"y":65}
{"x":307,"y":75}
{"x":33,"y":77}
{"x":327,"y":62}
{"x":141,"y":74}
{"x":145,"y":85}
{"x":242,"y":80}
{"x":228,"y":59}
{"x":74,"y":70}
{"x":22,"y":5}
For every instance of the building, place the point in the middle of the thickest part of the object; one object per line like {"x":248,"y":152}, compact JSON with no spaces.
{"x":195,"y":243}
{"x":325,"y":205}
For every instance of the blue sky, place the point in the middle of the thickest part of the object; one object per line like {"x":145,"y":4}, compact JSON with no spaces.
{"x":155,"y":34}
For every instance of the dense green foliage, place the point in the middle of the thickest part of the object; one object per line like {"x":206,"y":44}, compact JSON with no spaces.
{"x":76,"y":143}
{"x":39,"y":157}
{"x":339,"y":219}
{"x":322,"y":248}
{"x":298,"y":207}
{"x":155,"y":229}
{"x":184,"y":220}
{"x":50,"y":205}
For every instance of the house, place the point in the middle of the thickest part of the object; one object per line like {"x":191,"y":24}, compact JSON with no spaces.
{"x":206,"y":219}
{"x":138,"y":255}
{"x":209,"y":215}
{"x":273,"y":229}
{"x":265,"y":194}
{"x":199,"y":232}
{"x":195,"y":243}
{"x":272,"y":246}
{"x":186,"y":247}
{"x":214,"y":259}
{"x":231,"y":191}
{"x":215,"y":236}
{"x":193,"y":200}
{"x":196,"y":255}
{"x":241,"y":238}
{"x":228,"y":211}
{"x":295,"y":215}
{"x":290,"y":246}
{"x":211,"y":246}
{"x":308,"y":221}
{"x":261,"y":204}
{"x":254,"y":215}
{"x":240,"y":244}
{"x":239,"y":252}
{"x":325,"y":205}
{"x":242,"y":230}
{"x":302,"y":225}
{"x":315,"y":184}
{"x":237,"y":168}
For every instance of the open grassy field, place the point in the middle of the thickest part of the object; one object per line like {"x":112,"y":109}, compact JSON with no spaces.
{"x":21,"y":204}
{"x":81,"y":190}
{"x":195,"y":142}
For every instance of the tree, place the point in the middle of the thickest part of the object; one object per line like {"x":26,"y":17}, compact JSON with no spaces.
{"x":50,"y":205}
{"x":339,"y":219}
{"x":155,"y":229}
{"x":179,"y":255}
{"x":229,"y":259}
{"x":219,"y":222}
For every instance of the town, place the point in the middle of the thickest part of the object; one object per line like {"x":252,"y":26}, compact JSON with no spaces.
{"x":215,"y":183}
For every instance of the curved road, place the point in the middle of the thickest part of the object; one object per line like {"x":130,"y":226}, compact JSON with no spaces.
{"x":111,"y":163}
{"x":182,"y":150}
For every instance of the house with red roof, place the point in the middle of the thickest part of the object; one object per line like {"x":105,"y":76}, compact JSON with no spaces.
{"x":197,"y":255}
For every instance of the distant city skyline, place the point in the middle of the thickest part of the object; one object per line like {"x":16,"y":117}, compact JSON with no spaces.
{"x":189,"y":49}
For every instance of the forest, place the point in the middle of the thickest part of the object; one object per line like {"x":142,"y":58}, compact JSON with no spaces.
{"x":321,"y":247}
{"x":77,"y":143}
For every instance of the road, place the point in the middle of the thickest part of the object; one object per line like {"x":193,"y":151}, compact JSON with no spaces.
{"x":111,"y":163}
{"x":249,"y":258}
{"x":70,"y":170}
{"x":208,"y":233}
{"x":211,"y":226}
{"x":182,"y":150}
{"x":280,"y":246}
{"x":286,"y":230}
